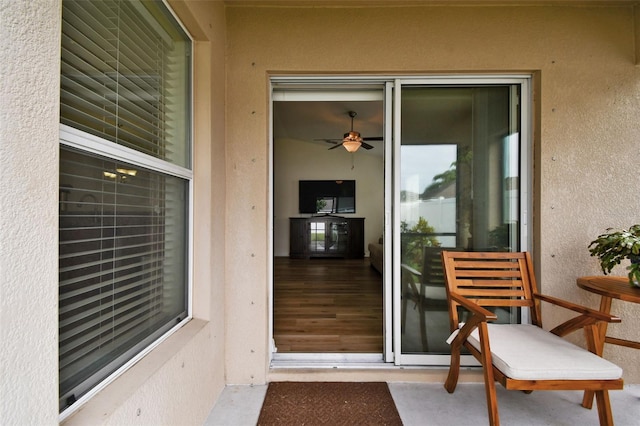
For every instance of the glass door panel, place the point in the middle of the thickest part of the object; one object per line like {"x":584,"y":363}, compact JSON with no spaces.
{"x":317,"y":236}
{"x":459,"y":161}
{"x":337,"y":236}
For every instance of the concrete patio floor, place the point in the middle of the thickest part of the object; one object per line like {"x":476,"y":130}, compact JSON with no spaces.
{"x":429,"y":404}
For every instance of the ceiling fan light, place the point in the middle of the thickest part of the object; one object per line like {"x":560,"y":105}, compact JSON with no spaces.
{"x":353,"y":136}
{"x":351,"y":146}
{"x":352,"y":141}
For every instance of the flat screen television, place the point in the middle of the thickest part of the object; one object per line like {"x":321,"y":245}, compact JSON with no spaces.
{"x":327,"y":196}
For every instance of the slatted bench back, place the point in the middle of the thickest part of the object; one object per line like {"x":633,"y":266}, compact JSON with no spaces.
{"x":491,"y":279}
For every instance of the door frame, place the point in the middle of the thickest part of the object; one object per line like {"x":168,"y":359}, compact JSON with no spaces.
{"x":334,"y":89}
{"x":391,"y":87}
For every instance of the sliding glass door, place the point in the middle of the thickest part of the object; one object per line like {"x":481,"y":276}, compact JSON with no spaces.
{"x":449,"y":168}
{"x":458,"y":174}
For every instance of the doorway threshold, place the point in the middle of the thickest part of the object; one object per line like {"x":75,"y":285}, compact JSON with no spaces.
{"x":328,"y":360}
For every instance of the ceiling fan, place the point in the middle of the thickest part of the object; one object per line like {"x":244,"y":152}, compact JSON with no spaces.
{"x":352,"y":140}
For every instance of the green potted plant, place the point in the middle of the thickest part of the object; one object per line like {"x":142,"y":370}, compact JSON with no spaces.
{"x":616,"y":245}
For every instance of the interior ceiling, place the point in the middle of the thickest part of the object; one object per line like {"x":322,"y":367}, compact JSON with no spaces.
{"x":428,"y":118}
{"x":308,"y":121}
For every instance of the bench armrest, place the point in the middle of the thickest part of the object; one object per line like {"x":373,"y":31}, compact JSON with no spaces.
{"x":480,"y":316}
{"x":588,"y":316}
{"x":600,"y":316}
{"x":474,"y":308}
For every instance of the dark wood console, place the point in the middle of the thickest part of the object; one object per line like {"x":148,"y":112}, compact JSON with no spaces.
{"x":326,"y":236}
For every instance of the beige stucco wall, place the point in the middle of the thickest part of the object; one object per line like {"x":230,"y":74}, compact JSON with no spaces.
{"x":587,"y":104}
{"x":179,"y":381}
{"x":29,"y":89}
{"x":587,"y":108}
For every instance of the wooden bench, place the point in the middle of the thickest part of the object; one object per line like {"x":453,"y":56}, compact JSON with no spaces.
{"x":521,"y":356}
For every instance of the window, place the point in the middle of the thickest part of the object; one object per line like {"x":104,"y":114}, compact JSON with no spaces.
{"x":125,"y":184}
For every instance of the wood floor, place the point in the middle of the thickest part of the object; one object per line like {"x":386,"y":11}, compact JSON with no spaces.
{"x":327,"y":305}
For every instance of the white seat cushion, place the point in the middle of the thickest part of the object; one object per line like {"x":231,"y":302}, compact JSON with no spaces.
{"x":526,"y":352}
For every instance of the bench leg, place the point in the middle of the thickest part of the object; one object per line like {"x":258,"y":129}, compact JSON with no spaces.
{"x":595,"y":335}
{"x":454,"y":370}
{"x":492,"y":400}
{"x":587,"y":399}
{"x":604,"y":408}
{"x":489,"y":379}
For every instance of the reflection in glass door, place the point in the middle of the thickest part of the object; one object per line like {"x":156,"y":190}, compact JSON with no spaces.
{"x":458,"y":179}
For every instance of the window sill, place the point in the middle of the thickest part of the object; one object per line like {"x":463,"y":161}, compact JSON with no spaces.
{"x":105,"y":402}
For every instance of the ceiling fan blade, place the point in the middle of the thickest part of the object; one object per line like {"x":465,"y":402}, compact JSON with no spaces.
{"x":333,"y":141}
{"x":366,"y":145}
{"x":352,"y":135}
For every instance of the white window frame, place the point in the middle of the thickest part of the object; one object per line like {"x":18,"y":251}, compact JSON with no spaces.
{"x":90,"y":144}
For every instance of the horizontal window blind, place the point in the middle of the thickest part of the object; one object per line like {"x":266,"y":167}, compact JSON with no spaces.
{"x":125,"y":76}
{"x":123,"y":226}
{"x":122,"y":262}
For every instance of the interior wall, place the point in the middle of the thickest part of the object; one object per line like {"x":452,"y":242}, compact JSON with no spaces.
{"x":300,"y":160}
{"x":588,"y":101}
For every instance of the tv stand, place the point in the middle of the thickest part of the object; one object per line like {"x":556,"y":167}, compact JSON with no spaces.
{"x":326,"y":236}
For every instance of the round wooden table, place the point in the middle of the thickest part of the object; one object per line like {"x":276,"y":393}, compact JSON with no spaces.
{"x":609,"y":288}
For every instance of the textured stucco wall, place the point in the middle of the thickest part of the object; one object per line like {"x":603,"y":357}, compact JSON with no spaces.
{"x":588,"y":101}
{"x":179,"y":381}
{"x":29,"y":93}
{"x":587,"y":104}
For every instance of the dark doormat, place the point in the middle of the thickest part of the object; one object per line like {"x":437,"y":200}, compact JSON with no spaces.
{"x":328,"y":403}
